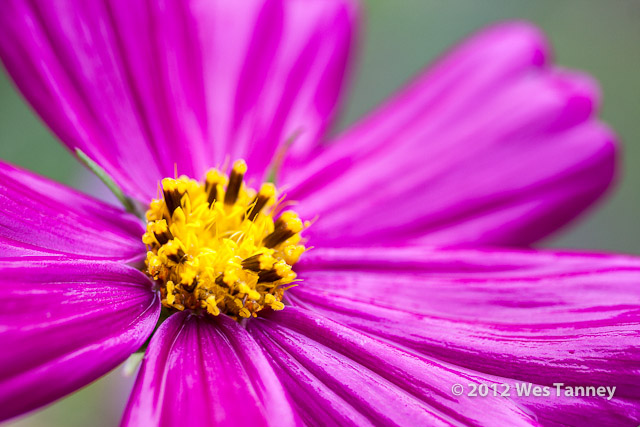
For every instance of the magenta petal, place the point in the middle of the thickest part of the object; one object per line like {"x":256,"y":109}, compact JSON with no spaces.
{"x":142,"y":86}
{"x":339,"y":376}
{"x":275,"y":71}
{"x":490,"y":146}
{"x":526,"y":316}
{"x":42,"y":218}
{"x":63,"y":324}
{"x":202,"y":372}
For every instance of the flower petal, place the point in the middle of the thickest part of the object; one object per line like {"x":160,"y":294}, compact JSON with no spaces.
{"x":282,"y":72}
{"x":530,"y":317}
{"x":144,"y":88}
{"x":491,"y":146}
{"x":64,"y":324}
{"x":43,"y":218}
{"x":202,"y":372}
{"x":339,"y":376}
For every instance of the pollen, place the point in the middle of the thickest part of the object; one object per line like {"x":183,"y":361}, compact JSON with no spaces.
{"x":219,"y":247}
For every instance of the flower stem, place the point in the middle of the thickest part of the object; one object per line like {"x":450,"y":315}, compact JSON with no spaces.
{"x":128,"y":203}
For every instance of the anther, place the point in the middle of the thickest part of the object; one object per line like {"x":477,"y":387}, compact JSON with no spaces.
{"x":252,"y":263}
{"x":267,"y":191}
{"x":220,"y":280}
{"x":189,"y":280}
{"x":258,"y":262}
{"x":285,"y":227}
{"x":161,"y":231}
{"x":268,"y":276}
{"x":235,"y":182}
{"x":173,"y":251}
{"x":171,"y":195}
{"x":213,"y":179}
{"x":280,"y":270}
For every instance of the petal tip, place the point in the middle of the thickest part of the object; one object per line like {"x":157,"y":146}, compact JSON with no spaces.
{"x":520,"y":36}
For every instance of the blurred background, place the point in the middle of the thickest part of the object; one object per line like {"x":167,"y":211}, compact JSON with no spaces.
{"x":399,"y":38}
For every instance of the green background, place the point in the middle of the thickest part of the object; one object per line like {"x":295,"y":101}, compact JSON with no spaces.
{"x":399,"y":37}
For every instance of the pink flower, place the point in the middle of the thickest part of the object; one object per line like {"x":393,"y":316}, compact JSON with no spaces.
{"x":399,"y":302}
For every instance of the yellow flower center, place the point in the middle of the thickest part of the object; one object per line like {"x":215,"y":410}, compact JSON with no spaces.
{"x":219,"y":247}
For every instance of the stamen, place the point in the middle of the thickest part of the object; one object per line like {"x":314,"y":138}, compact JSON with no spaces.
{"x":214,"y":180}
{"x":161,"y":231}
{"x":267,"y":192}
{"x":216,"y":251}
{"x":235,"y":182}
{"x":287,"y":225}
{"x":171,"y":195}
{"x":258,"y":262}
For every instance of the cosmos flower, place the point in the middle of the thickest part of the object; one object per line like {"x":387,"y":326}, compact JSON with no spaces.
{"x":368,"y":300}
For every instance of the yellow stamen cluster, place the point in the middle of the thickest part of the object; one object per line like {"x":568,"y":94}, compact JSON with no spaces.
{"x":220,"y":247}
